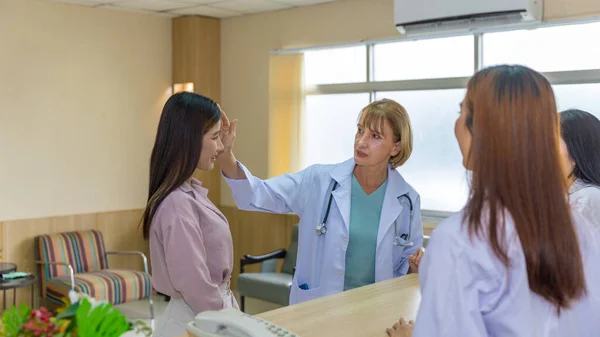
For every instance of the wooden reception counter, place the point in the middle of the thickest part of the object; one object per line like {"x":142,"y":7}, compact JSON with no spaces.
{"x":362,"y":312}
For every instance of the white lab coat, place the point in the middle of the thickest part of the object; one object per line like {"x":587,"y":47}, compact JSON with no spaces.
{"x":321,"y":259}
{"x":585,"y":199}
{"x":466,"y":291}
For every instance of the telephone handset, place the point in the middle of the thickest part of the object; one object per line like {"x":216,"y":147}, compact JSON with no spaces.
{"x":234,"y":323}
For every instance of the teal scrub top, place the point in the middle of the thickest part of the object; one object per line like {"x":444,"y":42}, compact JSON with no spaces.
{"x":365,"y":212}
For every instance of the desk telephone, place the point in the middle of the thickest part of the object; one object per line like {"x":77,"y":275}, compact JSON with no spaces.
{"x":234,"y":323}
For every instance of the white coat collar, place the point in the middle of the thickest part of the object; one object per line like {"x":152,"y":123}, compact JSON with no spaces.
{"x":391,"y":207}
{"x":342,"y":173}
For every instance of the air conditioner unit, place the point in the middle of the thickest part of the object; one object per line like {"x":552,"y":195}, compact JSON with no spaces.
{"x":454,"y":17}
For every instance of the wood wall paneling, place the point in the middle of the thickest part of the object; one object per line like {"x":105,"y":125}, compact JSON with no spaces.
{"x":197,"y":59}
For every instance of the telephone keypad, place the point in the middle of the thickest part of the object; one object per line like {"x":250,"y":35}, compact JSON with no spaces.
{"x":276,"y":330}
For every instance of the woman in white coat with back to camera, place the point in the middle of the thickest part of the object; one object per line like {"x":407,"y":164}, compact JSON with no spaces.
{"x":515,"y":262}
{"x":359,"y":220}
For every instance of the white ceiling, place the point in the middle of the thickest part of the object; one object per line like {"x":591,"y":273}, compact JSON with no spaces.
{"x":212,"y":8}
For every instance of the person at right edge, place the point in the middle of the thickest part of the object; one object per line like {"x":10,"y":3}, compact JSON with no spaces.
{"x":515,"y":262}
{"x":580,"y":152}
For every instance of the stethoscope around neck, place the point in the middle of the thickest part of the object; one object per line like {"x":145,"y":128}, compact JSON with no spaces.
{"x":403,"y":240}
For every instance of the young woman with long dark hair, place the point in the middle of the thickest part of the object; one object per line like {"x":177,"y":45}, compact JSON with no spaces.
{"x":191,"y":247}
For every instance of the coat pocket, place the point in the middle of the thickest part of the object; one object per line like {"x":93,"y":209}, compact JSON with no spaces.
{"x":303,"y":292}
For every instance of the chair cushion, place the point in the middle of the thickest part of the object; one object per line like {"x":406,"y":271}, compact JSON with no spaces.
{"x":114,"y":286}
{"x":270,"y":287}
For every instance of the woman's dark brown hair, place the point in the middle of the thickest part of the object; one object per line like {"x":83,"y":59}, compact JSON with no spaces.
{"x":514,"y":157}
{"x":185,"y":118}
{"x":581,"y":132}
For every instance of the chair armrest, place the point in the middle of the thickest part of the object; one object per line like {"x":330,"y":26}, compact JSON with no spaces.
{"x":69,"y":266}
{"x":133,"y":253}
{"x":250,"y":259}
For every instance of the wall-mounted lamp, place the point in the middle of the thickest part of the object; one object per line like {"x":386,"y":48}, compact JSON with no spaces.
{"x":179,"y":87}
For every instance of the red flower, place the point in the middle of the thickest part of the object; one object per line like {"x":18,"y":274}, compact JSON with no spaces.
{"x":40,"y":323}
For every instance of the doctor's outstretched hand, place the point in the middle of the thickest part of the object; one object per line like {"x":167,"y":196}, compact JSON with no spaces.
{"x":415,"y":259}
{"x":402,"y":328}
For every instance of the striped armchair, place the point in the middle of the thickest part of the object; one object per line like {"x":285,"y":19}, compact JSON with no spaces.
{"x":78,"y":261}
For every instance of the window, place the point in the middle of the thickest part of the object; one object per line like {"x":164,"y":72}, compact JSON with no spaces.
{"x":428,"y":77}
{"x":435,"y":167}
{"x":433,"y":58}
{"x":338,"y":65}
{"x":330,"y":126}
{"x":578,"y":96}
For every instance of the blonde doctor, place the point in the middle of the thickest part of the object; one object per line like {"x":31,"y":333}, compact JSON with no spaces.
{"x":359,"y":220}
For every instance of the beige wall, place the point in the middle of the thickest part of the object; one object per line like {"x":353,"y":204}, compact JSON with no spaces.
{"x":80,"y":94}
{"x":247,"y":40}
{"x":570,"y":9}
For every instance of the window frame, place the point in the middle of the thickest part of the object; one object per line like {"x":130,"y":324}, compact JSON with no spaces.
{"x":371,"y":86}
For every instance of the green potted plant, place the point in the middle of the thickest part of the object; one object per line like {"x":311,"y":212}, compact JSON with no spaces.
{"x":81,"y":316}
